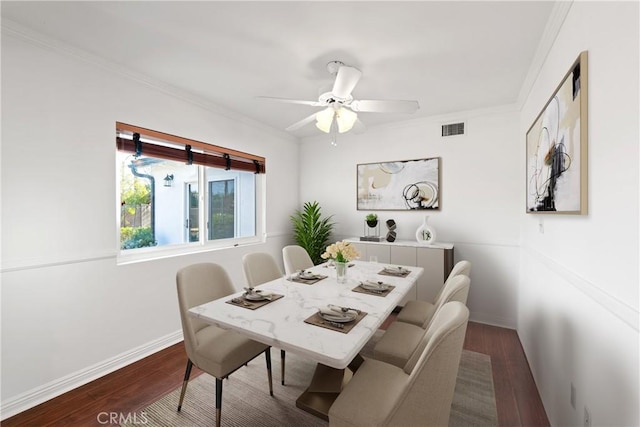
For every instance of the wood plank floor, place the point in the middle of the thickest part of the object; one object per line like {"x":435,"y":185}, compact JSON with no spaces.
{"x":139,"y":384}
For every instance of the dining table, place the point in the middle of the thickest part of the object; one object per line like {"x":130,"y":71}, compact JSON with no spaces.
{"x":289,"y":319}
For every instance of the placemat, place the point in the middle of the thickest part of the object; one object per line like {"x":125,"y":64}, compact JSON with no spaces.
{"x":317,"y":320}
{"x":380,"y":293}
{"x":404,"y":273}
{"x":241,"y":301}
{"x":307,"y":281}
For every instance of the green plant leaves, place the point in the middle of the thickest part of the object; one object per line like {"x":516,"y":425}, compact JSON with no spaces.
{"x":311,"y":231}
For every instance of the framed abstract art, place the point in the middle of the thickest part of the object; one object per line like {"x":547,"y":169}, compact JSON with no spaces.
{"x":557,"y":148}
{"x":399,"y":185}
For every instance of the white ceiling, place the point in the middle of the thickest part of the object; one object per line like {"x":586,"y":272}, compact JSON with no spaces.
{"x":449,"y":56}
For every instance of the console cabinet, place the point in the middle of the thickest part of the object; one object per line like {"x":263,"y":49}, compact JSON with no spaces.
{"x":437,"y":261}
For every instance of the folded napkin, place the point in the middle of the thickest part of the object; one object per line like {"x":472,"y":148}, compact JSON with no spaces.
{"x":336,"y":312}
{"x":307,"y":275}
{"x":258,"y":293}
{"x":373,"y":285}
{"x":396,"y":270}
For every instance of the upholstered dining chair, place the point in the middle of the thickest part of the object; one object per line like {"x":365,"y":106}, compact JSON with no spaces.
{"x":401,"y":340}
{"x":418,"y":393}
{"x":418,"y":312}
{"x":216,"y":351}
{"x":295,"y":258}
{"x":259,"y":268}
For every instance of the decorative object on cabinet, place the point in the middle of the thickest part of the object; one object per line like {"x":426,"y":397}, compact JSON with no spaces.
{"x":311,"y":231}
{"x":557,"y":148}
{"x":391,"y":234}
{"x":399,"y":185}
{"x":371,"y":229}
{"x":426,"y":234}
{"x":372,"y":220}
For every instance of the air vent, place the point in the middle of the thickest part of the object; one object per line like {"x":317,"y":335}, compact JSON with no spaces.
{"x":453,"y":129}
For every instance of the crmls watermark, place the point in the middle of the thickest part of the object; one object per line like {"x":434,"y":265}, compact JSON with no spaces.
{"x":120,"y":418}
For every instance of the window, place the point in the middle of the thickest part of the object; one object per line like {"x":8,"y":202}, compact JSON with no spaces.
{"x":222,"y":212}
{"x":184,"y":196}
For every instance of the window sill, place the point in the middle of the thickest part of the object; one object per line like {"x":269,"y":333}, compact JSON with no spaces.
{"x":133,"y":256}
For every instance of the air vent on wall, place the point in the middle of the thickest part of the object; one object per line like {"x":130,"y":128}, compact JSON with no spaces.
{"x":453,"y":129}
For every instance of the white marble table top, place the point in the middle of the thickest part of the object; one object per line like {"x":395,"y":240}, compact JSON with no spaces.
{"x":281,"y":322}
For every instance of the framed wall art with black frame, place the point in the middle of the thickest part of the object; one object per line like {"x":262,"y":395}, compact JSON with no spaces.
{"x":399,"y":185}
{"x":557,"y":148}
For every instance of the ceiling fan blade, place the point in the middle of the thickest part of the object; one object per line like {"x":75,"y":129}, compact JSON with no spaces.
{"x":346,"y":80}
{"x":379,"y":106}
{"x":293,"y":101}
{"x":303,"y":122}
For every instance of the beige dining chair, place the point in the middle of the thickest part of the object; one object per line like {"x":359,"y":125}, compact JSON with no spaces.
{"x":214,"y":350}
{"x":419,"y":393}
{"x":259,"y":268}
{"x":295,"y":258}
{"x":402,"y":340}
{"x":418,"y":312}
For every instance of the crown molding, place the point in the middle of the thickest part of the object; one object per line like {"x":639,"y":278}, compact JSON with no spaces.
{"x":13,"y":29}
{"x":549,"y":35}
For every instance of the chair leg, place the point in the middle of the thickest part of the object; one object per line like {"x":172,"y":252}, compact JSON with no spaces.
{"x":267,"y":356}
{"x":218,"y":401}
{"x":282,"y":356}
{"x":187,"y":374}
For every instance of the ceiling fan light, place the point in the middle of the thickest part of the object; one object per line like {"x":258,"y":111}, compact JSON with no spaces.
{"x":346,"y":119}
{"x":324,"y":119}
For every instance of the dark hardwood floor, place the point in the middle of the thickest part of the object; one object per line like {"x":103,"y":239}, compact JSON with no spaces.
{"x":139,"y":384}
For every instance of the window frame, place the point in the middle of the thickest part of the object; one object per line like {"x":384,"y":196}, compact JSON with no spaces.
{"x":126,"y":256}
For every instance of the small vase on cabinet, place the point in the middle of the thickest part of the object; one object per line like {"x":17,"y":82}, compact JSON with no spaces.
{"x":426,"y":234}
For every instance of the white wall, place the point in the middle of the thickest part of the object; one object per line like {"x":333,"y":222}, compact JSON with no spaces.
{"x":69,"y":312}
{"x":479,"y":188}
{"x":578,"y":298}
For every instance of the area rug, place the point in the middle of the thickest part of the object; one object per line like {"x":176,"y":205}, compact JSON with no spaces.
{"x":246,"y":401}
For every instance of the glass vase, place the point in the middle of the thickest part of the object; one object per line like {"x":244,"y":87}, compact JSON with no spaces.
{"x":341,"y":271}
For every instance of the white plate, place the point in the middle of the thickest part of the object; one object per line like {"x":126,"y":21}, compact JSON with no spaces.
{"x":374,"y":286}
{"x":257,"y":296}
{"x":334,"y":313}
{"x":307,"y":275}
{"x":395,"y":270}
{"x":346,"y":318}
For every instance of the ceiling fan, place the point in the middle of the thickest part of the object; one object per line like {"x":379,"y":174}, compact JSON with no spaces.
{"x":340,"y":112}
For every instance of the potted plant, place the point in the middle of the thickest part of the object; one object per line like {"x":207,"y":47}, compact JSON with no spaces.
{"x":372,"y":220}
{"x":311,"y":231}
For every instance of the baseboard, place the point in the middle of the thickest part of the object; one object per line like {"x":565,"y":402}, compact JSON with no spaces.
{"x":489,"y":319}
{"x":48,"y":391}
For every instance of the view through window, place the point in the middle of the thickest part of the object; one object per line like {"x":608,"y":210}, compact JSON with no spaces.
{"x":168,"y":202}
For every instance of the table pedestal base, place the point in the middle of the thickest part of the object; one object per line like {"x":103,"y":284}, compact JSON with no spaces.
{"x":325,"y":388}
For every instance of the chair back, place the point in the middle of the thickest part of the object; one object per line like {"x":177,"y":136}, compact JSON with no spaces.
{"x":433,"y":373}
{"x":259,"y":268}
{"x":295,"y":258}
{"x":454,"y":289}
{"x":198,"y":284}
{"x":462,"y":267}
